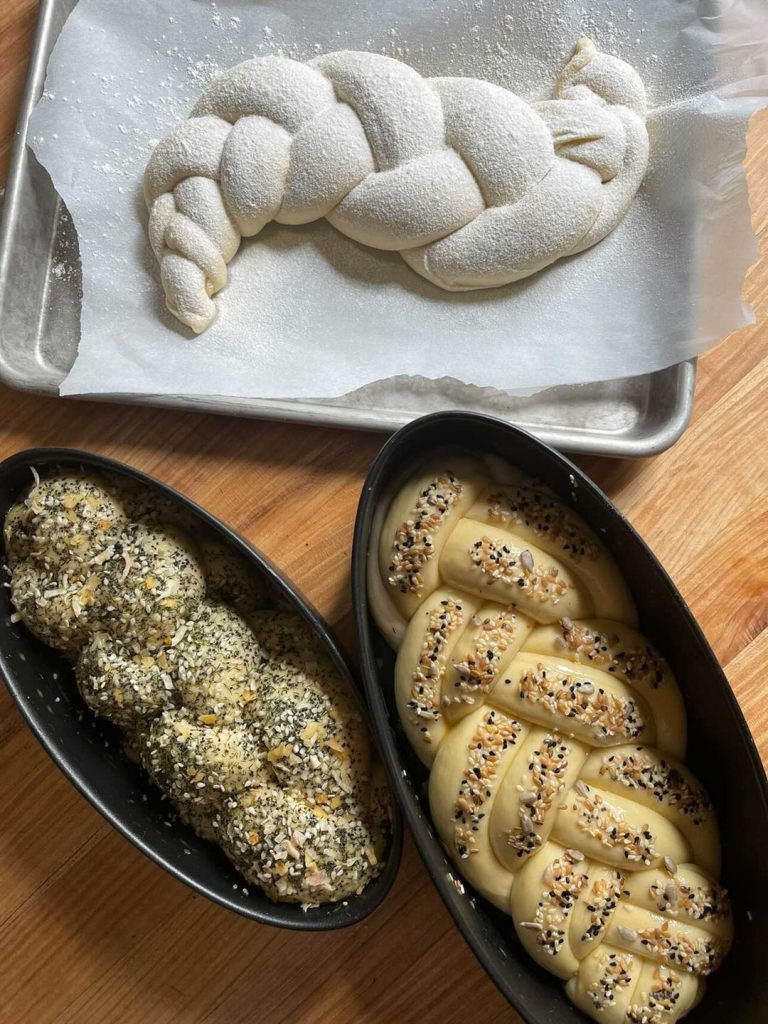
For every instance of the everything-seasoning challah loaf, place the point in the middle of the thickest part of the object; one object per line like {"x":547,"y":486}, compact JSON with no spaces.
{"x":473,"y":186}
{"x":233,"y":707}
{"x":553,"y":731}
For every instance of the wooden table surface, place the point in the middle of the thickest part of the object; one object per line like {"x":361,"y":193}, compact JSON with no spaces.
{"x":92,"y":931}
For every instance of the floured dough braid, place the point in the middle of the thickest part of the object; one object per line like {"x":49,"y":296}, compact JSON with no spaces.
{"x":474,"y":187}
{"x":553,"y":731}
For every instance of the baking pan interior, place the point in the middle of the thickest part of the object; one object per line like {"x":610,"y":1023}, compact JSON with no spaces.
{"x":89,"y":749}
{"x":720,"y":748}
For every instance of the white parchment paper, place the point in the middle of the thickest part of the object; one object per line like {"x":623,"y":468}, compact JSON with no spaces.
{"x":310,"y":314}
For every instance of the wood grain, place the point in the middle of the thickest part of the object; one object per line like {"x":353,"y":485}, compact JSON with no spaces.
{"x":17,"y":26}
{"x":91,"y":932}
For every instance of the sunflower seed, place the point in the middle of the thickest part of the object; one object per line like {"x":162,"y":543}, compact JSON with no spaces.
{"x":574,"y":855}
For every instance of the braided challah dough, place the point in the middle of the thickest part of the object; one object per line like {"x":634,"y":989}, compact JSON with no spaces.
{"x":553,"y":731}
{"x":233,"y":708}
{"x":474,"y":187}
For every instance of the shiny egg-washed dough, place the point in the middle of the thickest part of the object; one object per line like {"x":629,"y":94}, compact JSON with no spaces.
{"x":554,"y":733}
{"x":473,"y":186}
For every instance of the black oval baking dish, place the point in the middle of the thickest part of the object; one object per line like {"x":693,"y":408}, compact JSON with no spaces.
{"x":89,"y":750}
{"x":721,"y":750}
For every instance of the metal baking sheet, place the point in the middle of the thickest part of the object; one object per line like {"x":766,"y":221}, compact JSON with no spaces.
{"x":40,"y":326}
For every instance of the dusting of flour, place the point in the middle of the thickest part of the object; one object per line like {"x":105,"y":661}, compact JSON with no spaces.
{"x":313,"y":313}
{"x":474,"y":38}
